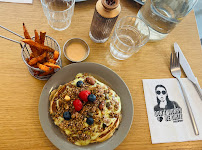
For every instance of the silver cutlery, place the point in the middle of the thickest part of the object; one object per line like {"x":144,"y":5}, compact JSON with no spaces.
{"x":187,"y":69}
{"x":176,"y":72}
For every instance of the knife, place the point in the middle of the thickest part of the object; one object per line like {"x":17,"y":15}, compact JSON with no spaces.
{"x":187,"y":69}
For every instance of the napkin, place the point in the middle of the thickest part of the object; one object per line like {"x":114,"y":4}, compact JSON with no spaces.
{"x":18,"y":1}
{"x":167,"y":112}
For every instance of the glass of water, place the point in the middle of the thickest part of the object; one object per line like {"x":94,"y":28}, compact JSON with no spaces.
{"x":58,"y":13}
{"x":130,"y":34}
{"x":163,"y":15}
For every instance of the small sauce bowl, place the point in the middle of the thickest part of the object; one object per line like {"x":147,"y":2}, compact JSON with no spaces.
{"x":76,"y":50}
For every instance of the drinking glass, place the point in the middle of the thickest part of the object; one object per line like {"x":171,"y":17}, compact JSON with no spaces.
{"x":58,"y":13}
{"x":163,"y":15}
{"x":130,"y":34}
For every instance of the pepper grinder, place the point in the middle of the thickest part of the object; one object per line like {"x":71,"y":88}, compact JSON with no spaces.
{"x":105,"y":16}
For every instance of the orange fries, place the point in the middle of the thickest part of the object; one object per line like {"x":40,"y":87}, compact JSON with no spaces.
{"x":42,"y":37}
{"x":43,"y":67}
{"x":47,"y":73}
{"x":55,"y":55}
{"x":26,"y":33}
{"x":27,"y":36}
{"x":42,"y":56}
{"x":52,"y":61}
{"x":37,"y":59}
{"x":51,"y":65}
{"x":37,"y":45}
{"x":36,"y":36}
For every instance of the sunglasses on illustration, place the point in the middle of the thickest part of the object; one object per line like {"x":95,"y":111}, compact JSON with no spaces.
{"x":159,"y":92}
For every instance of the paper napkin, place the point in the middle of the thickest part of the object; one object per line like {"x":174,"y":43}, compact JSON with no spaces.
{"x":167,"y":112}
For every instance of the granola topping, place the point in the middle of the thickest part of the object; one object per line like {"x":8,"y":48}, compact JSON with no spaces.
{"x":77,"y":128}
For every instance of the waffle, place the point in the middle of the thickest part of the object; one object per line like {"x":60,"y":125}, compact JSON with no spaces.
{"x":105,"y":111}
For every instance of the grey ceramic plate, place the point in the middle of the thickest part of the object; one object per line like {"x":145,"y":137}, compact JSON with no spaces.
{"x":107,"y":76}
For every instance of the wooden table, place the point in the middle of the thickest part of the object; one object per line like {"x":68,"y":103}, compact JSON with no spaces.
{"x":19,"y":119}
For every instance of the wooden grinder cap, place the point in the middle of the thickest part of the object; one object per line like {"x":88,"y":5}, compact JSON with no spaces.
{"x":110,"y":4}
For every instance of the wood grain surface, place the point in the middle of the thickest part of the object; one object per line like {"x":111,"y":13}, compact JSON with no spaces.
{"x":19,"y":119}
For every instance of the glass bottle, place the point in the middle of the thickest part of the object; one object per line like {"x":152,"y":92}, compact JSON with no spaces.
{"x":105,"y":16}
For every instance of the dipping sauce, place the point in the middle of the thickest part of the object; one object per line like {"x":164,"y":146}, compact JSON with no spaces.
{"x":76,"y":51}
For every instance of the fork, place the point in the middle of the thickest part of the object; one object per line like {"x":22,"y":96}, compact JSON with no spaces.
{"x":176,"y":72}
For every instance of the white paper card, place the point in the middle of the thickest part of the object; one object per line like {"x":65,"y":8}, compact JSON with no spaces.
{"x":18,"y":1}
{"x":167,"y":112}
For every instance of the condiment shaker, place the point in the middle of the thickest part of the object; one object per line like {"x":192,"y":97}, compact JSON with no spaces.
{"x":105,"y":16}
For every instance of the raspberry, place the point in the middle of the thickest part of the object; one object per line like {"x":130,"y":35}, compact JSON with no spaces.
{"x":83,"y":95}
{"x":77,"y":105}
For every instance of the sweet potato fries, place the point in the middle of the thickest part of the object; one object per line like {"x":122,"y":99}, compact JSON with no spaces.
{"x":42,"y":56}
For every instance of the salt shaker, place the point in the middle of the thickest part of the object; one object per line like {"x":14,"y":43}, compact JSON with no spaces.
{"x":105,"y":16}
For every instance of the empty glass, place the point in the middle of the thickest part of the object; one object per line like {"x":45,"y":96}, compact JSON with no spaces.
{"x":58,"y":13}
{"x":130,"y":34}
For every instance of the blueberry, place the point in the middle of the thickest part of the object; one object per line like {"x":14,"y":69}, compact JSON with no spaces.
{"x":67,"y":115}
{"x":91,"y":97}
{"x":89,"y":121}
{"x":79,"y":83}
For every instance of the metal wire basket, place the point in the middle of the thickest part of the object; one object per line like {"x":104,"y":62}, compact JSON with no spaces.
{"x":26,"y":51}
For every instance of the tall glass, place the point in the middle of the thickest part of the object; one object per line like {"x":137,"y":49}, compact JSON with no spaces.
{"x":58,"y":13}
{"x":130,"y":34}
{"x":163,"y":15}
